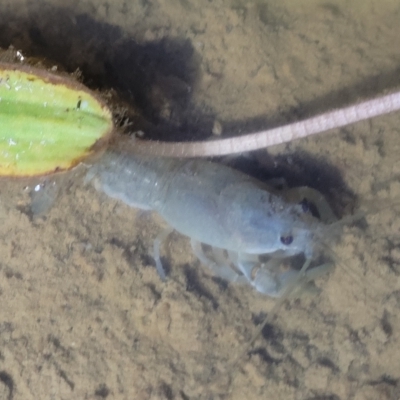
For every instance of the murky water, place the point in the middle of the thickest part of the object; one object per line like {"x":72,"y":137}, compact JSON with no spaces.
{"x":84,"y":313}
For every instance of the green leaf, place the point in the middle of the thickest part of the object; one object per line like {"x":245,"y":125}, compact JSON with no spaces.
{"x":48,"y":123}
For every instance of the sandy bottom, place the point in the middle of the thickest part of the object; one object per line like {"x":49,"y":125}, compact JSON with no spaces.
{"x":85,"y":315}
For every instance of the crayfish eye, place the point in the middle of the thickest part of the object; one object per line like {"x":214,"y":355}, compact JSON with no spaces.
{"x":286,"y":240}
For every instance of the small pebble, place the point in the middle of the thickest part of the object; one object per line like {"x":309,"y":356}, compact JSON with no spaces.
{"x":217,"y":128}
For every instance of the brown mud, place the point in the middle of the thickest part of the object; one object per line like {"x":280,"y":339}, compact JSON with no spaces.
{"x":84,"y":314}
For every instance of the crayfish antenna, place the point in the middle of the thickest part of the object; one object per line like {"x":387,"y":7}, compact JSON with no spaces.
{"x":292,"y":287}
